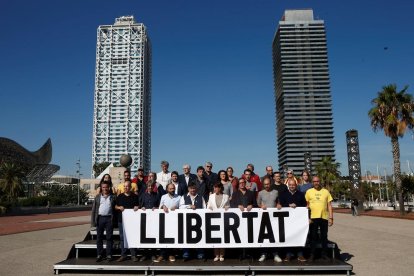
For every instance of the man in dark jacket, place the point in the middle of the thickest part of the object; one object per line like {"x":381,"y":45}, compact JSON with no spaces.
{"x":192,"y":200}
{"x":292,"y":198}
{"x":187,"y":177}
{"x":102,"y":218}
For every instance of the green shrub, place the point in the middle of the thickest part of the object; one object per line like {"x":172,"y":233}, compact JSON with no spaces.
{"x":34,"y":201}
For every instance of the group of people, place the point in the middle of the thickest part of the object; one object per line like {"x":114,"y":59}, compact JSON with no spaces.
{"x":169,"y":191}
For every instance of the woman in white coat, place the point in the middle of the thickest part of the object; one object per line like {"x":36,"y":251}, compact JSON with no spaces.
{"x":218,"y":200}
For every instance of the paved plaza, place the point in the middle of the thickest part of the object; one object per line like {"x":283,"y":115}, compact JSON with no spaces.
{"x":373,"y":245}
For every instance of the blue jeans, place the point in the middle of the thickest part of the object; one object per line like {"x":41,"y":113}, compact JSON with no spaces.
{"x":200,"y":253}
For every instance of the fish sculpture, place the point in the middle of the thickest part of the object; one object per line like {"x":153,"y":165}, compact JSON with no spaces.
{"x":11,"y":151}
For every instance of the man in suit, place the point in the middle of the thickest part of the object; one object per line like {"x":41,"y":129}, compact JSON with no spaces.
{"x":210,"y":176}
{"x":187,"y":176}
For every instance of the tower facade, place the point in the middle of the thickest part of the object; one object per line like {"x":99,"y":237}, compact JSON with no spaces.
{"x":302,"y":90}
{"x":122,"y":98}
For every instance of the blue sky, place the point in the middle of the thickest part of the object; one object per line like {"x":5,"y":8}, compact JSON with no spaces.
{"x":212,"y":79}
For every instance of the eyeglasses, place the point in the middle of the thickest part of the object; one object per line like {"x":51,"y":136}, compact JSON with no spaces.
{"x":209,"y":166}
{"x":289,"y":173}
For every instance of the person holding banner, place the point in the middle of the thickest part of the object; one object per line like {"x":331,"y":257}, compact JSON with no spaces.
{"x":218,"y":200}
{"x":126,"y":200}
{"x":321,"y":216}
{"x":292,"y":198}
{"x":268,"y":198}
{"x":194,"y":201}
{"x":243,"y":199}
{"x":169,"y":202}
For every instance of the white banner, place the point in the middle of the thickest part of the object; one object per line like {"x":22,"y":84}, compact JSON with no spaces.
{"x":203,"y":228}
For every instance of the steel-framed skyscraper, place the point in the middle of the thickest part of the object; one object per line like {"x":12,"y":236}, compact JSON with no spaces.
{"x":122,"y":99}
{"x":302,"y":90}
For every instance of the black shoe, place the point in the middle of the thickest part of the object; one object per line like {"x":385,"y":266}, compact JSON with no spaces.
{"x":109,"y":258}
{"x":99,"y":259}
{"x":186,"y":259}
{"x":134,"y":259}
{"x":121,"y":259}
{"x":311,"y":258}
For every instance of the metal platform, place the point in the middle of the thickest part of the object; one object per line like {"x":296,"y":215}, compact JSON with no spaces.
{"x":82,"y":258}
{"x":245,"y":267}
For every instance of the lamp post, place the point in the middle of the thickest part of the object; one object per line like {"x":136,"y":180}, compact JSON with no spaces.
{"x":79,"y":175}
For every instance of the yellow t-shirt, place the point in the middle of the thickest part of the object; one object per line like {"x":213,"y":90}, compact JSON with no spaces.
{"x":318,"y":202}
{"x":120,"y":188}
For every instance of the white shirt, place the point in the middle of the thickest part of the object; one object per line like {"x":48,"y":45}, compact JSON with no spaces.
{"x":105,"y":208}
{"x":163,"y":178}
{"x":168,"y":201}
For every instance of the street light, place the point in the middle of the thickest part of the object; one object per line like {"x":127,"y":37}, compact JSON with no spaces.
{"x":79,"y":175}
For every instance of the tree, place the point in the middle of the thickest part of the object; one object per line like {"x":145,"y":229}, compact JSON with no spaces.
{"x":11,"y":176}
{"x":65,"y":194}
{"x":98,"y":168}
{"x":328,"y":171}
{"x":407,"y":185}
{"x":393,"y":113}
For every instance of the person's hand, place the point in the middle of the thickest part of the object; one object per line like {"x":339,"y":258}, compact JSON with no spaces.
{"x":292,"y":205}
{"x":310,"y":221}
{"x":226,"y":208}
{"x":165,"y":209}
{"x":136,"y":208}
{"x":153,"y":208}
{"x":241,"y":207}
{"x":121,"y":208}
{"x":193,"y":207}
{"x":249,"y":208}
{"x":330,"y":221}
{"x":278,"y":206}
{"x":211,"y":208}
{"x":143,"y":208}
{"x":173,"y":208}
{"x":264,"y":207}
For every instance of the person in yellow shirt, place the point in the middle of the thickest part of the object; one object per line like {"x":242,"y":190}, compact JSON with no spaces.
{"x":321,"y":216}
{"x":120,"y":188}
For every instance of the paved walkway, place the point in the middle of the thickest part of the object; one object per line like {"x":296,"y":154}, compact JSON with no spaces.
{"x":28,"y":223}
{"x":373,"y":245}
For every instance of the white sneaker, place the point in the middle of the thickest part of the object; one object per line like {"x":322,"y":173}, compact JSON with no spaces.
{"x":262,"y":258}
{"x":277,"y":259}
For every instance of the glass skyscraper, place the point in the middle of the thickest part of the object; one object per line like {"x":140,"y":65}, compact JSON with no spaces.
{"x":302,"y":90}
{"x":122,"y":98}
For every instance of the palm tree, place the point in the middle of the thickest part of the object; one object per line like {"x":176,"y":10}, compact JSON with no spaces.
{"x":393,"y":113}
{"x":11,"y":176}
{"x":328,"y":171}
{"x":98,"y":168}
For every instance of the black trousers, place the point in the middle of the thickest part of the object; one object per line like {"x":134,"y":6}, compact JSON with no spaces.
{"x":104,"y":224}
{"x":321,"y":224}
